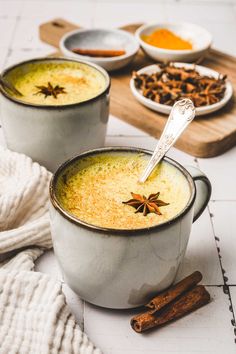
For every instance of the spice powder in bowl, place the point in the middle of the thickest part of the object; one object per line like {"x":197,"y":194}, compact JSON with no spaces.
{"x":166,"y":39}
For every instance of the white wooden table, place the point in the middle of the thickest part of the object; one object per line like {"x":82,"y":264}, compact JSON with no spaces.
{"x":212,"y":246}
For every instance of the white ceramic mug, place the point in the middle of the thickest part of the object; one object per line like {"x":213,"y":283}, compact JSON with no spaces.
{"x":52,"y":134}
{"x":123,"y":268}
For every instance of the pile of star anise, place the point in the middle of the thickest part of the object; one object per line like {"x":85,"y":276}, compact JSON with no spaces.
{"x":173,"y":83}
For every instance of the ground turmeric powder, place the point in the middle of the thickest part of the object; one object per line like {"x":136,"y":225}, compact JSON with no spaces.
{"x":163,"y":38}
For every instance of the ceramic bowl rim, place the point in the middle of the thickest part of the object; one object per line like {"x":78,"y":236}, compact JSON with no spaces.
{"x":139,"y":31}
{"x":101,"y":60}
{"x":63,"y":106}
{"x":120,"y":232}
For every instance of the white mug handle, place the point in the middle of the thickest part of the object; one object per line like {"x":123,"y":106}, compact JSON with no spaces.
{"x":203,"y":190}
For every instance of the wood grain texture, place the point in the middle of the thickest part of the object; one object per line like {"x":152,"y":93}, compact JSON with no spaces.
{"x":51,"y":32}
{"x":206,"y":136}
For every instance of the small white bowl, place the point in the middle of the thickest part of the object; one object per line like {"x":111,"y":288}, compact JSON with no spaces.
{"x":101,"y":39}
{"x":163,"y":108}
{"x":200,"y":38}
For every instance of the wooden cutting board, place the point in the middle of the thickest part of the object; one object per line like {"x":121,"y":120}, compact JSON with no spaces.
{"x":207,"y":136}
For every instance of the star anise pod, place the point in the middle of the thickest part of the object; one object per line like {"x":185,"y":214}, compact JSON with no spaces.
{"x":50,"y":90}
{"x":146,"y":205}
{"x":172,"y":83}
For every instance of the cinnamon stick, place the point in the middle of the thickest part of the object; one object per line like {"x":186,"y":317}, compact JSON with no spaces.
{"x":169,"y":295}
{"x":106,"y":53}
{"x":190,"y":301}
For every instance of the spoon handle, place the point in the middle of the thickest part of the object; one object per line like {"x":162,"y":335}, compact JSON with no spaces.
{"x":182,"y":113}
{"x":7,"y":85}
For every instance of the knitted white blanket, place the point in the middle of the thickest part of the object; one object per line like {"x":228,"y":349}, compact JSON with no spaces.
{"x":34,"y":317}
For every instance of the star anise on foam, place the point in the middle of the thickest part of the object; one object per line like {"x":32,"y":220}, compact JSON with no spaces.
{"x":50,"y":90}
{"x":146,"y":205}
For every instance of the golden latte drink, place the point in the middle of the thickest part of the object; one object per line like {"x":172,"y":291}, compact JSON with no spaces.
{"x":57,"y":83}
{"x":95,"y":188}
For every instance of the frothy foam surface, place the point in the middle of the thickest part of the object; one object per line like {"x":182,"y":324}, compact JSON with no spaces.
{"x":80,"y":82}
{"x":95,"y":189}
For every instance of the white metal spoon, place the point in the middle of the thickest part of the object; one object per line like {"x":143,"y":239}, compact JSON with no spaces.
{"x":181,"y":115}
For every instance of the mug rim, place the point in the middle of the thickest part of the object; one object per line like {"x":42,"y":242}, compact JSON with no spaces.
{"x":56,"y":107}
{"x":121,"y":232}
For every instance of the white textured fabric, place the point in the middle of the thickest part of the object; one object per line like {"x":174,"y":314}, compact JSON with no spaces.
{"x":34,"y":316}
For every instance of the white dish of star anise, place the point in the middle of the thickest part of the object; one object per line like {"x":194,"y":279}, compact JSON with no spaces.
{"x":159,"y":86}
